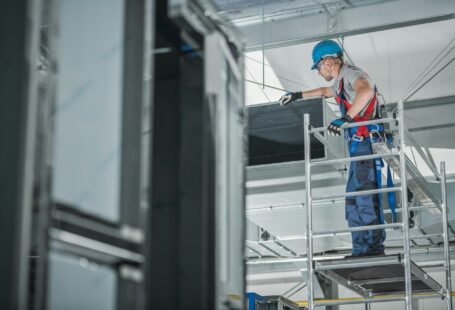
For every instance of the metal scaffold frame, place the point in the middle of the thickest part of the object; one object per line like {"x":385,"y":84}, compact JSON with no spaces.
{"x":403,"y":225}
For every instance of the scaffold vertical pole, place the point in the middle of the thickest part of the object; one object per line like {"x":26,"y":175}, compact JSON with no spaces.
{"x":404,"y":206}
{"x":309,"y":219}
{"x":445,"y":227}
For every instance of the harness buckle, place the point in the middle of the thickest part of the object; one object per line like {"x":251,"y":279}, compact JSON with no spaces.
{"x":357,"y":138}
{"x":374,"y":128}
{"x":377,"y":134}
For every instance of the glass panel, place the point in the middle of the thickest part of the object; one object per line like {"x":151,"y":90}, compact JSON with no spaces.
{"x":88,"y":116}
{"x":75,"y":283}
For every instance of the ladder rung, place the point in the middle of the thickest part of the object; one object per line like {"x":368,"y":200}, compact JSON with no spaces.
{"x":423,"y":208}
{"x":351,"y":159}
{"x":322,"y":303}
{"x":360,"y":228}
{"x":359,"y":193}
{"x":348,"y":263}
{"x":398,"y":210}
{"x":357,"y":124}
{"x":417,"y":237}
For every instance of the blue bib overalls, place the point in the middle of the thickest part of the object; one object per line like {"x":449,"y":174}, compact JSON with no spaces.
{"x":362,"y":210}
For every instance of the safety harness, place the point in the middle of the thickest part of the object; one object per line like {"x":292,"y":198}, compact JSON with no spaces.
{"x":369,"y":113}
{"x":367,"y":133}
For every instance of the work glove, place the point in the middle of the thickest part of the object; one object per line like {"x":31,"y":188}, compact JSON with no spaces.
{"x":334,"y":128}
{"x":289,"y":97}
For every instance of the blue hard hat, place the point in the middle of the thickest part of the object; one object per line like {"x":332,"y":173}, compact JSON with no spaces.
{"x":323,"y":49}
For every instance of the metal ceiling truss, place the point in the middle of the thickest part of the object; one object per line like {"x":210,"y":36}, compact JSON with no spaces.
{"x":250,"y":12}
{"x":348,"y":20}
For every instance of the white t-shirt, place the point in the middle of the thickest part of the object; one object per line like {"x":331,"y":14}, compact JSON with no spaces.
{"x":350,"y":74}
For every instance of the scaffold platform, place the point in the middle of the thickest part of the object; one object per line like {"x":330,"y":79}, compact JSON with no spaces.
{"x":377,"y":275}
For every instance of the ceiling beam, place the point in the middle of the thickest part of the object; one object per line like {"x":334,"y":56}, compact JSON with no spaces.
{"x":349,"y":21}
{"x":433,"y":127}
{"x":431,"y":102}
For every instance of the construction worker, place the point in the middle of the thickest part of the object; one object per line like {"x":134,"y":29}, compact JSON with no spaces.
{"x":355,"y":93}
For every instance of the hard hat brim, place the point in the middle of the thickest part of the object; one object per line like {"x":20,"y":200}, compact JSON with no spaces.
{"x":315,"y":65}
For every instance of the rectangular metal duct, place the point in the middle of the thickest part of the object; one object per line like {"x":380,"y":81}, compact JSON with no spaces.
{"x":275,"y":133}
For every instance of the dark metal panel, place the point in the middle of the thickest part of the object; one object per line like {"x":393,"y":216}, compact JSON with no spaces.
{"x":19,"y":30}
{"x":132,"y":112}
{"x":180,"y":237}
{"x":180,"y":240}
{"x":162,"y":272}
{"x":161,"y":235}
{"x":197,"y":188}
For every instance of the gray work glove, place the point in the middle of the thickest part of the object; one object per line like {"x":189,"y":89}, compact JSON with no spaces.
{"x":289,"y":97}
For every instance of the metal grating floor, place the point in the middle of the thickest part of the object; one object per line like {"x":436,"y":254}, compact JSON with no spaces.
{"x":377,"y":276}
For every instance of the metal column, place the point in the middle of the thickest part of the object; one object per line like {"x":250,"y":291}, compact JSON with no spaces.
{"x":309,"y":219}
{"x":404,"y":206}
{"x":446,"y":236}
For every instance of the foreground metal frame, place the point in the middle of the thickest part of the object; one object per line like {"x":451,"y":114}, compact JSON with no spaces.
{"x":405,"y":258}
{"x":65,"y":229}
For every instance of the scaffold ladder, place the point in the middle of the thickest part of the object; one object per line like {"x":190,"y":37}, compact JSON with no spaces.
{"x":403,"y":225}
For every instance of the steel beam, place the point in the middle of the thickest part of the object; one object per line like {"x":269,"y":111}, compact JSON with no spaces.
{"x":351,"y":21}
{"x":429,"y":103}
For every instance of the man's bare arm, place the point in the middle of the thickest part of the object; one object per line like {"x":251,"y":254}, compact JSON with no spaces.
{"x":322,"y":91}
{"x":317,"y":92}
{"x":364,"y":93}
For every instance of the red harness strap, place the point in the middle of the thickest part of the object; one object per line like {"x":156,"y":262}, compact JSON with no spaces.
{"x":367,"y":115}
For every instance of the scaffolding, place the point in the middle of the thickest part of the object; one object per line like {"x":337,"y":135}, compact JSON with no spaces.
{"x":416,"y":283}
